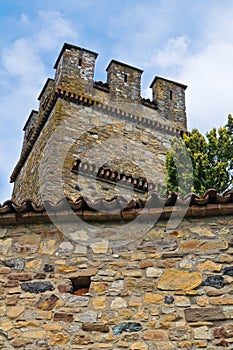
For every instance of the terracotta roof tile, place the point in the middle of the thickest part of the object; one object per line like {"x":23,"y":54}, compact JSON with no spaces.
{"x":212,"y":203}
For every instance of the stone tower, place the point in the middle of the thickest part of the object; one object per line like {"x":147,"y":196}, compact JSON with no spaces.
{"x":82,"y":122}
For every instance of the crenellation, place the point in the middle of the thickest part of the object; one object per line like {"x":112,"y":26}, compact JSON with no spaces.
{"x":170,"y":99}
{"x":29,"y":128}
{"x":75,"y":69}
{"x":124,"y":81}
{"x":46,"y":93}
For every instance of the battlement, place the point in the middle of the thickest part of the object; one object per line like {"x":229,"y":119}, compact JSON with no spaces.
{"x":124,"y":81}
{"x":75,"y":69}
{"x":29,"y":128}
{"x":170,"y":98}
{"x":82,"y":51}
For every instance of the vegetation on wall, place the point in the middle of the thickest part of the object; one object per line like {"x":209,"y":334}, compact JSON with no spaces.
{"x":211,"y":161}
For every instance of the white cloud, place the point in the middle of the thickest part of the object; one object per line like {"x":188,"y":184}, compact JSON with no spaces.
{"x":209,"y":76}
{"x":53,"y":30}
{"x":190,"y":43}
{"x":22,"y":75}
{"x":22,"y":61}
{"x":141,"y":28}
{"x":24,"y":18}
{"x":206,"y":67}
{"x":171,"y":57}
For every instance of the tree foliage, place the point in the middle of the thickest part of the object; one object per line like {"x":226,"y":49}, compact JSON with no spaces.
{"x":211,"y":160}
{"x":179,"y":167}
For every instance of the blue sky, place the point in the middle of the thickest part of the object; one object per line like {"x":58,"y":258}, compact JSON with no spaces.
{"x":187,"y":41}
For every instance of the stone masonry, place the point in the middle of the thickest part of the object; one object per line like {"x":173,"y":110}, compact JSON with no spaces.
{"x":82,"y":119}
{"x":167,"y":290}
{"x":88,"y":262}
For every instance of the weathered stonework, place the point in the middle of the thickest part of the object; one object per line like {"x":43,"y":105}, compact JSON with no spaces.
{"x":42,"y":161}
{"x":82,"y":119}
{"x":137,"y":298}
{"x":106,"y":270}
{"x":170,"y":97}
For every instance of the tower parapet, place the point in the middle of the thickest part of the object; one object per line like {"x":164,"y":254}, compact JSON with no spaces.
{"x":170,"y":99}
{"x":46,"y":94}
{"x":29,"y":127}
{"x":124,"y":81}
{"x":75,"y":68}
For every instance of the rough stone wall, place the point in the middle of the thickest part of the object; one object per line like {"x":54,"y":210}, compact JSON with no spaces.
{"x":74,"y":77}
{"x":73,"y":132}
{"x":170,"y":290}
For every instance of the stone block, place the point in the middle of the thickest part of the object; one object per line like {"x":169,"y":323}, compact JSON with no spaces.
{"x":155,"y":335}
{"x":204,"y":314}
{"x":37,"y":287}
{"x":127,"y":327}
{"x":100,"y":247}
{"x":179,"y":280}
{"x":59,"y":316}
{"x":47,"y":303}
{"x":95,"y":327}
{"x":15,"y":311}
{"x":20,"y":277}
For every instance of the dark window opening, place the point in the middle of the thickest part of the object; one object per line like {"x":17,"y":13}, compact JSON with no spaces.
{"x":171,"y":95}
{"x":125,"y":78}
{"x":80,"y":62}
{"x":81,"y":285}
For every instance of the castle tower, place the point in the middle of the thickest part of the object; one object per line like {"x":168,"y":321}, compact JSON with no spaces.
{"x":78,"y":115}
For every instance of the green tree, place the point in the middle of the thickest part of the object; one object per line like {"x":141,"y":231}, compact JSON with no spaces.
{"x":179,"y":168}
{"x":211,"y":157}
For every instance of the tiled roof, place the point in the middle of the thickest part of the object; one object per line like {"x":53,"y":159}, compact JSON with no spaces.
{"x":210,"y":204}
